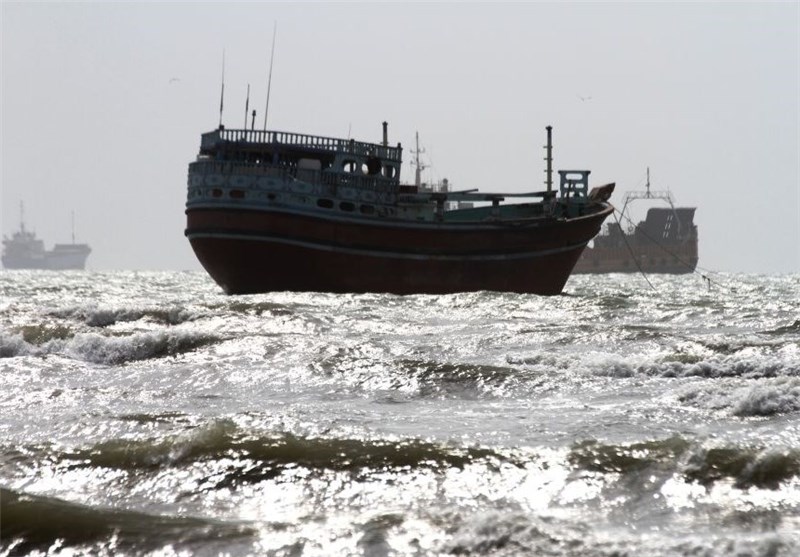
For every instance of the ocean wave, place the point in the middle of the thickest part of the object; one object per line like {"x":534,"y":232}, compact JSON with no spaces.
{"x":261,"y":457}
{"x":598,"y":457}
{"x":34,"y":522}
{"x":95,"y":316}
{"x":693,"y":366}
{"x":434,"y":378}
{"x":779,"y":397}
{"x":253,"y":307}
{"x":44,"y":332}
{"x":371,"y":369}
{"x":140,"y":346}
{"x":747,"y":466}
{"x":785,"y":330}
{"x":13,"y":345}
{"x":100,"y":349}
{"x":769,"y":397}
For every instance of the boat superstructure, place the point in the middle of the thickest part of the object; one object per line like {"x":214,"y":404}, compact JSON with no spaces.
{"x":665,"y":242}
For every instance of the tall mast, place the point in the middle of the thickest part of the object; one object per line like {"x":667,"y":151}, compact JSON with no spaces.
{"x":418,"y":164}
{"x":73,"y":227}
{"x":549,"y":158}
{"x":269,"y":80}
{"x":21,"y":216}
{"x":222,"y":91}
{"x":246,"y":106}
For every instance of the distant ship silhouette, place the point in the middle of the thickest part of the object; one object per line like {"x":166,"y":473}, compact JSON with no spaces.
{"x":25,"y":251}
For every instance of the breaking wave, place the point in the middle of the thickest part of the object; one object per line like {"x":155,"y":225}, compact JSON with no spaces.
{"x":769,"y":398}
{"x":12,"y":345}
{"x":141,"y":346}
{"x":751,"y":368}
{"x":94,"y":316}
{"x":102,"y":349}
{"x":780,"y":397}
{"x":745,"y":466}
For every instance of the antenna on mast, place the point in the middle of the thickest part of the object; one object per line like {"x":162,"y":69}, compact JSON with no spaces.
{"x":269,"y":80}
{"x":222,"y":91}
{"x":21,"y":216}
{"x":73,"y":227}
{"x":246,"y":106}
{"x":417,"y":163}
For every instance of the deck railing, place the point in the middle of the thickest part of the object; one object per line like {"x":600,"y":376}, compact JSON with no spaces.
{"x":264,"y":137}
{"x":232,"y":168}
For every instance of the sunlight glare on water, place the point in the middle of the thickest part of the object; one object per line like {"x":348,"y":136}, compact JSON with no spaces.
{"x":150,"y":414}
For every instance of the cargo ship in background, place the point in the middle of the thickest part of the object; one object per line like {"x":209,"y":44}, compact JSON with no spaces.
{"x":665,"y":242}
{"x":281,"y":211}
{"x":25,"y":251}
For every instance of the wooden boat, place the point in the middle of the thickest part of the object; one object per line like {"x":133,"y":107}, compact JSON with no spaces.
{"x":276,"y":211}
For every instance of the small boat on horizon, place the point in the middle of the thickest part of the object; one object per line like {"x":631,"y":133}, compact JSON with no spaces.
{"x":281,"y":211}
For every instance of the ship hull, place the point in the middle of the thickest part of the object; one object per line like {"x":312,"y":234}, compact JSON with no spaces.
{"x":60,"y":261}
{"x":676,"y":261}
{"x":251,"y":251}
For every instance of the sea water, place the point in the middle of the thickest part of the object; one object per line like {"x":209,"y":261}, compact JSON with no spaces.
{"x":150,"y":414}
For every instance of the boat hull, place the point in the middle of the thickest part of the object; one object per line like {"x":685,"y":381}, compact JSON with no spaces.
{"x":675,"y":261}
{"x":61,"y":260}
{"x":252,"y":251}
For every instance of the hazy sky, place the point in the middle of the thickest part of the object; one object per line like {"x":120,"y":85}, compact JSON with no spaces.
{"x":103,"y":105}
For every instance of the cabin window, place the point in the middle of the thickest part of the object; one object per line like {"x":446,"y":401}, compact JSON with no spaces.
{"x":271,"y":196}
{"x":236,"y":194}
{"x":347,"y":206}
{"x":216,"y":192}
{"x":325,"y":203}
{"x":349,"y":166}
{"x":364,"y":168}
{"x":388,"y":171}
{"x":367,"y":210}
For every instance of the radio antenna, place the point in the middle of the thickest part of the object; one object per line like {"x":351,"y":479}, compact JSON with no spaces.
{"x":222,"y":92}
{"x":269,"y":81}
{"x":246,"y":106}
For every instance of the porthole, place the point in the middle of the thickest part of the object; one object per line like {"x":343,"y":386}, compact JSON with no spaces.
{"x":325,"y":203}
{"x":347,"y":206}
{"x":367,"y":210}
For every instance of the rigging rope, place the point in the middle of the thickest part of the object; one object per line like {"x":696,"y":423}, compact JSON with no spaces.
{"x":630,"y":250}
{"x":709,"y":280}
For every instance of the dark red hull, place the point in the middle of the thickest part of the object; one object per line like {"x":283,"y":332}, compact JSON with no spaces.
{"x":252,"y":250}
